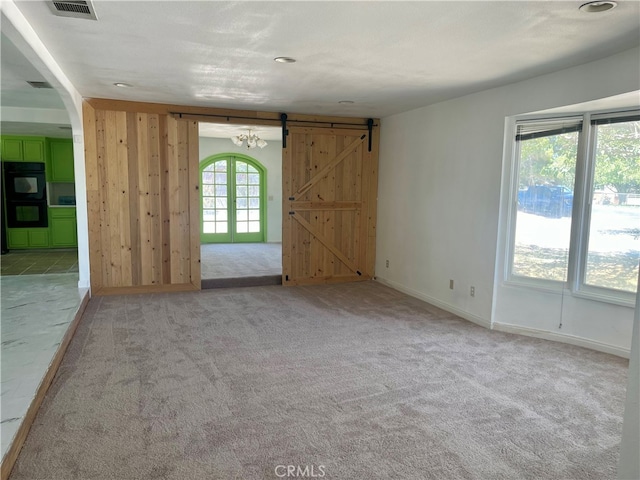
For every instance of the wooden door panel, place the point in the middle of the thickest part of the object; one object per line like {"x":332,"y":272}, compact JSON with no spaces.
{"x":326,"y":175}
{"x":142,"y":191}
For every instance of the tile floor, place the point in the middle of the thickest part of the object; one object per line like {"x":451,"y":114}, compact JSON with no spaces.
{"x":234,"y":260}
{"x":35,"y":262}
{"x":36,"y":311}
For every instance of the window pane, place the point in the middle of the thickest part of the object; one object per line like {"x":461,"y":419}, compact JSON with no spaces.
{"x":242,"y":215}
{"x":254,"y":191}
{"x":207,"y":177}
{"x":221,"y":166}
{"x":208,"y":190}
{"x":242,"y":227}
{"x":254,"y":203}
{"x":254,"y":214}
{"x":254,"y":227}
{"x":546,"y":175}
{"x":614,"y":231}
{"x":221,"y":227}
{"x":208,"y":215}
{"x":254,"y":179}
{"x":208,"y":227}
{"x":221,"y":178}
{"x":221,"y":190}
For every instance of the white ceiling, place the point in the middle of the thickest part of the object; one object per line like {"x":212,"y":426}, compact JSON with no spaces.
{"x":16,"y":71}
{"x":387,"y":57}
{"x":228,"y":131}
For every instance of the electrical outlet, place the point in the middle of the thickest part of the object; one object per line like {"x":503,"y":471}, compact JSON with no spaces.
{"x":387,"y":263}
{"x":472,"y":291}
{"x":451,"y":284}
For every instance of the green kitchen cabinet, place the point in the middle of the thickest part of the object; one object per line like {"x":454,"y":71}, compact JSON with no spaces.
{"x":60,"y":164}
{"x":11,"y":149}
{"x":23,"y":149}
{"x":27,"y":238}
{"x":33,"y":150}
{"x":62,"y":226}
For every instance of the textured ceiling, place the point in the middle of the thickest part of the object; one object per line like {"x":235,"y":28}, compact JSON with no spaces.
{"x":16,"y":71}
{"x":228,"y":131}
{"x":387,"y":57}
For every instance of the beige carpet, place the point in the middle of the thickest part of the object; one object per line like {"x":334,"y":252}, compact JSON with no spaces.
{"x":358,"y":379}
{"x":234,"y":260}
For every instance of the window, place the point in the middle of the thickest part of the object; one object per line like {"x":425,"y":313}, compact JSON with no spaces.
{"x":589,"y":241}
{"x":613,"y":249}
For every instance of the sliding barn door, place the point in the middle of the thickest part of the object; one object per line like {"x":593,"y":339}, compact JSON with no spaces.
{"x":330,"y":190}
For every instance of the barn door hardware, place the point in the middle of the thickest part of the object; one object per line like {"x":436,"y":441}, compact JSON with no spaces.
{"x":285,"y":132}
{"x":370,"y":127}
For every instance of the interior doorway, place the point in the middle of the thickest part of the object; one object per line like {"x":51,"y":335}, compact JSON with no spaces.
{"x":240,"y":205}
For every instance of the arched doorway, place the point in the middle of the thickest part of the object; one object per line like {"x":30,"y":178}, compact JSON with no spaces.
{"x":232,"y":199}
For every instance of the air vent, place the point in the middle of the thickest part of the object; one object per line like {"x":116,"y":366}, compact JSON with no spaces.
{"x":40,"y":84}
{"x":71,"y":8}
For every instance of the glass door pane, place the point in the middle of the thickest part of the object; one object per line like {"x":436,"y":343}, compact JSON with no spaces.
{"x":215,"y":203}
{"x":248,"y":204}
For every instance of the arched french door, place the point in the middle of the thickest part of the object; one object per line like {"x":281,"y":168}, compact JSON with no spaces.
{"x":232,"y":199}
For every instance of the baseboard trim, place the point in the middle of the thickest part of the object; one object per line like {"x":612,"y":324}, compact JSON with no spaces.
{"x":435,"y":302}
{"x":13,"y":451}
{"x":510,"y":328}
{"x":562,"y":338}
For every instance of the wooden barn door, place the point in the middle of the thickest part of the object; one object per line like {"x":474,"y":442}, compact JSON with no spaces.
{"x":330,"y":190}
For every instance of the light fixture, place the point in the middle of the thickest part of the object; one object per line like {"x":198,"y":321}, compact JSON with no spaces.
{"x":284,"y":60}
{"x":598,"y":6}
{"x":123,"y":85}
{"x":346,"y":102}
{"x":252,"y":140}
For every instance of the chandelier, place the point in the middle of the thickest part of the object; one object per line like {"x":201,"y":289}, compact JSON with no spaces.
{"x":251,"y":140}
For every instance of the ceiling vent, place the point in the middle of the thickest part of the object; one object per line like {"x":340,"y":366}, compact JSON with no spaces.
{"x":40,"y":84}
{"x":72,"y":8}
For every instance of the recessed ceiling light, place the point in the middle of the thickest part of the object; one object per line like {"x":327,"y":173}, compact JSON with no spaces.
{"x":346,"y":102}
{"x":123,"y":85}
{"x":284,"y":60}
{"x":598,"y":6}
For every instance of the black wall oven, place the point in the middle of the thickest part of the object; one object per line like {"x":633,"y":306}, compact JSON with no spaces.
{"x":25,"y":192}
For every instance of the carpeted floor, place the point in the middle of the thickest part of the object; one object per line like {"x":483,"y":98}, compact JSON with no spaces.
{"x":353,"y":381}
{"x":234,"y":260}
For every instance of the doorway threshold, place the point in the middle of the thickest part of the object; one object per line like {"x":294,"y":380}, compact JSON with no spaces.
{"x":237,"y":282}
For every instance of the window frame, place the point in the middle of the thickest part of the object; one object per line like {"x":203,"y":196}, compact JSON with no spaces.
{"x":580,"y":215}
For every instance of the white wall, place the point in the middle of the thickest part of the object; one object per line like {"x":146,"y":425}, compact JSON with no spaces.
{"x":271,"y":158}
{"x":439,"y":197}
{"x":629,"y":466}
